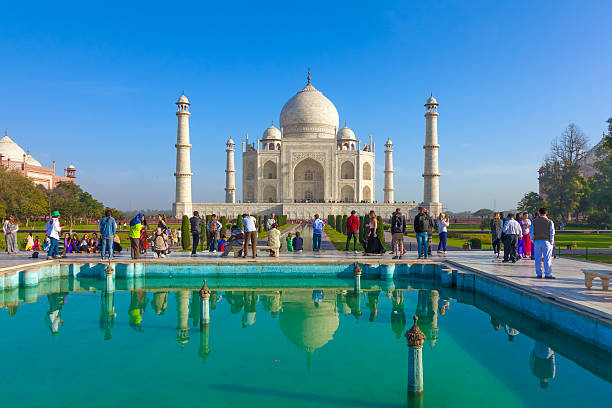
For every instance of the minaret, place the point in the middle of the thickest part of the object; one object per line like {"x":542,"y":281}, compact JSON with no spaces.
{"x":230,"y":174}
{"x":182,"y":204}
{"x":431,"y":175}
{"x":389,"y":190}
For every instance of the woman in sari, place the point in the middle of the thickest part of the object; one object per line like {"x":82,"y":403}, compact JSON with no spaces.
{"x":373,"y":245}
{"x":37,"y":244}
{"x":29,"y":242}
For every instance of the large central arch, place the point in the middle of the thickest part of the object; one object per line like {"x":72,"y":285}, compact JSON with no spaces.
{"x":308,"y":181}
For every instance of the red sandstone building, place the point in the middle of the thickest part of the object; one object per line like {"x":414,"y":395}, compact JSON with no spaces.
{"x":13,"y":157}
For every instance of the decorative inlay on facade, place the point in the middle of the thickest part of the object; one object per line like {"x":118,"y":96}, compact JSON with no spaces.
{"x":297,"y":156}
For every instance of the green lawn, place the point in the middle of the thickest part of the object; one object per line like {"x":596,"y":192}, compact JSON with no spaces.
{"x":605,"y":258}
{"x":339,"y":239}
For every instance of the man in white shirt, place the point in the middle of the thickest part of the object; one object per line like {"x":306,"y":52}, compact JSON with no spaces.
{"x":512,"y":231}
{"x":53,"y":230}
{"x":542,"y":234}
{"x":250,"y":235}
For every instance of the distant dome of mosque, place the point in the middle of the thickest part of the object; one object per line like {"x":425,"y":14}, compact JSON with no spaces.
{"x":309,"y":114}
{"x":71,"y":167}
{"x":305,"y":325}
{"x":11,"y":150}
{"x":346,"y":133}
{"x":271,"y":133}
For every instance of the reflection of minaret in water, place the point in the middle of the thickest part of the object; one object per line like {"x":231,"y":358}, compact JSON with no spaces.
{"x":398,"y":316}
{"x":204,"y":349}
{"x":182,"y":316}
{"x":107,"y":309}
{"x":427,"y":312}
{"x":415,"y":339}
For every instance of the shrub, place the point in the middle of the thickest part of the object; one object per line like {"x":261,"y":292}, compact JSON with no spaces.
{"x":344,"y":224}
{"x":223,"y":222}
{"x":475,"y":243}
{"x":379,"y":230}
{"x":338,"y":222}
{"x":185,"y":233}
{"x":331,"y":221}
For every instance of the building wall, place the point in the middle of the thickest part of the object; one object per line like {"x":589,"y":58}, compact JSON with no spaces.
{"x":303,"y":211}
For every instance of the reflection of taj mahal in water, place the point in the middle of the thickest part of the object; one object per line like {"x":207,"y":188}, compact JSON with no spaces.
{"x":308,"y":165}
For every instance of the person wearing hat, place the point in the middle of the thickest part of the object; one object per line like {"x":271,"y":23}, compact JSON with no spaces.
{"x":53,"y":229}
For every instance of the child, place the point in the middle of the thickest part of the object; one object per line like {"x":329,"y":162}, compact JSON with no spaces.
{"x":221,"y":245}
{"x":29,"y":242}
{"x":298,"y":242}
{"x":37,"y":245}
{"x":160,"y":243}
{"x":289,"y":243}
{"x":47,"y":244}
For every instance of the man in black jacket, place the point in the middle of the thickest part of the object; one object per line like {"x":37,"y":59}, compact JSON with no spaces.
{"x":398,"y":229}
{"x":422,"y":228}
{"x":196,"y":230}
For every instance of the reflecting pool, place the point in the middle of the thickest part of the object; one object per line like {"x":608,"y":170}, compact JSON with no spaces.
{"x":283,"y":342}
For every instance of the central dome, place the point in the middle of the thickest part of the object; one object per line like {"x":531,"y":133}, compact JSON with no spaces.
{"x":309,"y":114}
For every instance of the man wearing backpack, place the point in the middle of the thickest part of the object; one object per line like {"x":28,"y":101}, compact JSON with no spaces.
{"x":422,"y":228}
{"x":398,"y":229}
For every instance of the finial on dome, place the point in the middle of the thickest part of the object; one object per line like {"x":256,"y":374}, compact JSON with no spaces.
{"x":345,"y":123}
{"x":5,"y":132}
{"x":308,"y":75}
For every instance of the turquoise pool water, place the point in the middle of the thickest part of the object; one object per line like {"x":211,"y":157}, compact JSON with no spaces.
{"x":284,"y":342}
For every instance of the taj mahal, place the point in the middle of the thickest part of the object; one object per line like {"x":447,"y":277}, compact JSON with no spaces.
{"x":308,"y":165}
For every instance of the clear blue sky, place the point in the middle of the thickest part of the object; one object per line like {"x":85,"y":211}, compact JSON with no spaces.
{"x":95,"y":85}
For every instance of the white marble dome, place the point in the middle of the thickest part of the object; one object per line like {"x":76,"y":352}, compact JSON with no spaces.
{"x":11,"y":150}
{"x":346,"y":134}
{"x":183,"y":99}
{"x":309,"y":114}
{"x":431,"y":101}
{"x":271,"y":133}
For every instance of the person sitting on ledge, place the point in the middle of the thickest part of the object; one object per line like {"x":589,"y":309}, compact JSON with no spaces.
{"x":274,"y":241}
{"x":236,"y":241}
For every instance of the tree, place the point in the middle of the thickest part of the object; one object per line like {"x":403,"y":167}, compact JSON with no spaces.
{"x":562,"y":185}
{"x":344,"y":224}
{"x":483,"y":212}
{"x":185,"y":233}
{"x":531,"y":202}
{"x":599,"y":195}
{"x":72,"y":202}
{"x":19,"y":196}
{"x":331,"y":221}
{"x":117,"y":214}
{"x":338,"y":223}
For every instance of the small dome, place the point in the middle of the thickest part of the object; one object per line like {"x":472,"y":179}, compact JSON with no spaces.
{"x":11,"y":150}
{"x":346,"y":133}
{"x":71,"y":167}
{"x":389,"y":143}
{"x":230,"y":141}
{"x":271,"y":133}
{"x":183,"y":99}
{"x":431,"y":101}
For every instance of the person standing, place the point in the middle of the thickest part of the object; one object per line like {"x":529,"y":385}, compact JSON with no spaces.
{"x":250,"y":235}
{"x":432,"y":225}
{"x":108,"y":228}
{"x":5,"y":230}
{"x":512,"y":231}
{"x":352,"y":230}
{"x":298,"y":242}
{"x":373,"y":244}
{"x":526,"y":226}
{"x":289,"y":240}
{"x":496,"y":226}
{"x":317,"y":232}
{"x":542,"y":233}
{"x":213,"y":227}
{"x":442,"y":232}
{"x":54,"y":230}
{"x":274,"y":240}
{"x":134,"y":235}
{"x":270,"y":222}
{"x":422,"y":227}
{"x":12,"y":246}
{"x":398,"y":230}
{"x":196,"y":231}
